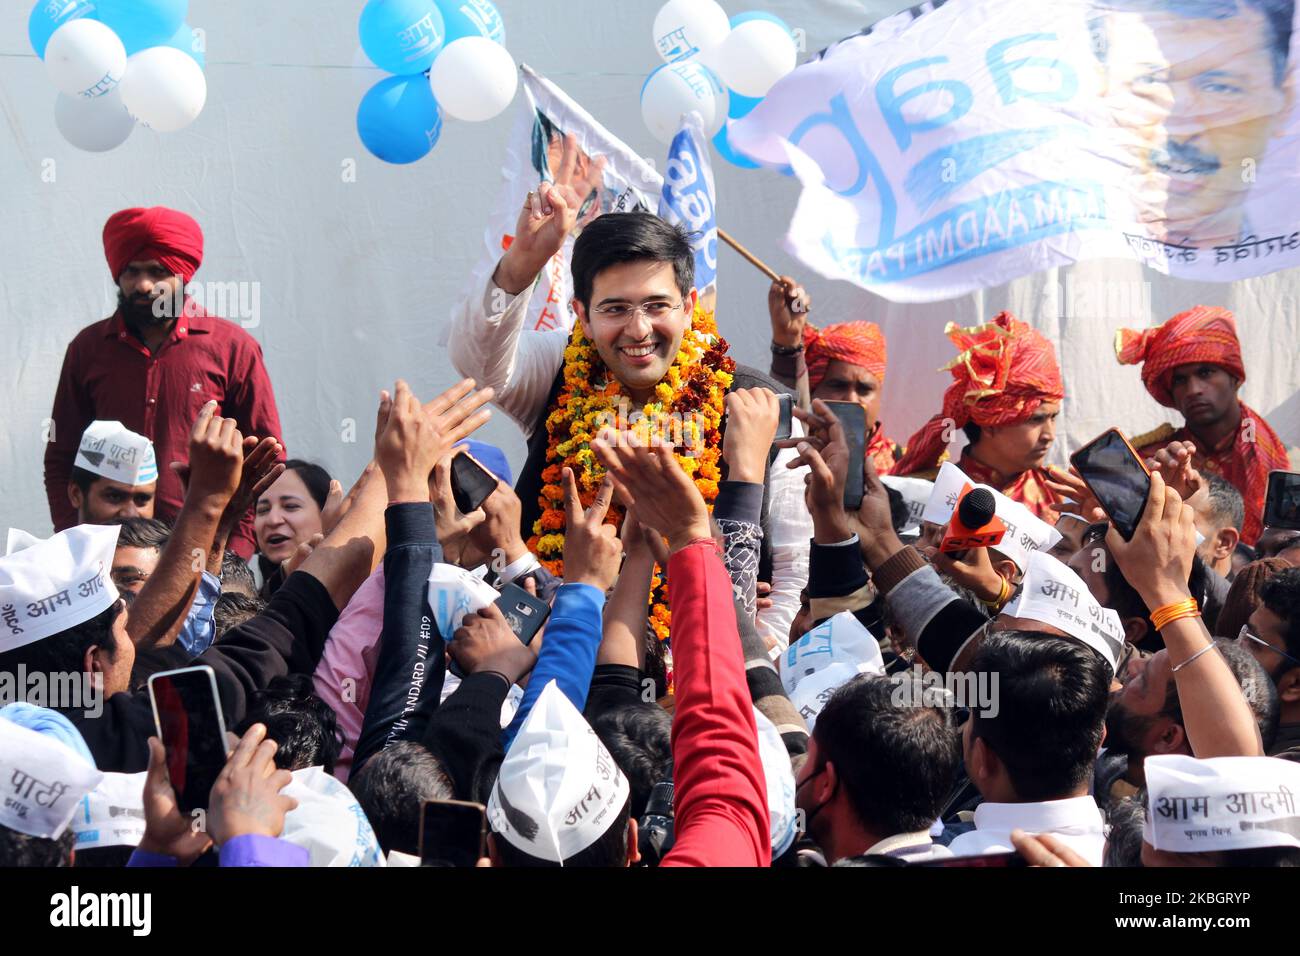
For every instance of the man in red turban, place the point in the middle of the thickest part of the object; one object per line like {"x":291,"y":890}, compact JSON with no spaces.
{"x":1193,"y":363}
{"x":155,"y":362}
{"x":1005,"y":394}
{"x":840,"y":363}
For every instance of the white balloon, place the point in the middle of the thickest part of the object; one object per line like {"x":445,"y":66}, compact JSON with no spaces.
{"x":85,"y":58}
{"x":474,"y":79}
{"x":96,"y":125}
{"x":754,"y":56}
{"x":688,"y":28}
{"x":678,"y":88}
{"x":164,"y":89}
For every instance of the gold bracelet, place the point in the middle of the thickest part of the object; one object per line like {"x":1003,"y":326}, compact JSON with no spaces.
{"x":1162,"y":617}
{"x":1004,"y":592}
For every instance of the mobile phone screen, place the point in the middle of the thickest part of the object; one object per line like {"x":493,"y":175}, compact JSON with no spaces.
{"x":1117,"y":477}
{"x":471,"y":483}
{"x":786,"y":404}
{"x":853,"y":419}
{"x":452,"y":833}
{"x":192,"y":730}
{"x":1282,"y":507}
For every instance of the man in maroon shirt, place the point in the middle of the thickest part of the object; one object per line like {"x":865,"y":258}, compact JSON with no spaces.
{"x":155,"y":362}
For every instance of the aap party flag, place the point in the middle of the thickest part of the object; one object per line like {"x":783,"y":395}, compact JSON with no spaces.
{"x":689,"y":199}
{"x":626,"y":183}
{"x":964,"y":143}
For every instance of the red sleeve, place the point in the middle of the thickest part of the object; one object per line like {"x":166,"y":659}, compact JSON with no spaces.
{"x":721,"y":794}
{"x":69,"y":418}
{"x":251,"y":403}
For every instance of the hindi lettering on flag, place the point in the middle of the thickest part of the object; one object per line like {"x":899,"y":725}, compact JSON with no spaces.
{"x":965,"y":143}
{"x":689,"y":199}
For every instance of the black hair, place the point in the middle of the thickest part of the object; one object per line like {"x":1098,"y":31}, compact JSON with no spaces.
{"x":615,"y":239}
{"x":899,"y":514}
{"x":233,"y":609}
{"x":1256,"y":687}
{"x":1226,"y":506}
{"x":304,"y":726}
{"x":1281,"y":595}
{"x":392,"y":785}
{"x":236,"y":575}
{"x":868,"y":725}
{"x":1278,"y":15}
{"x":83,"y":479}
{"x":21,"y":849}
{"x":637,"y":737}
{"x":609,"y":849}
{"x":972,"y":432}
{"x":316,"y":478}
{"x":144,"y":533}
{"x":1052,"y":696}
{"x":1124,"y":840}
{"x":65,"y":652}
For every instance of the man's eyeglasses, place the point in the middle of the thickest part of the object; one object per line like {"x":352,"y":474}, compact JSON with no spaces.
{"x":651,"y":310}
{"x":1246,"y":634}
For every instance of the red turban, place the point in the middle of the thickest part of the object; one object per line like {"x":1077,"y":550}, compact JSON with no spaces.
{"x":1203,"y":334}
{"x":857,"y":343}
{"x":137,"y":235}
{"x":1004,"y":371}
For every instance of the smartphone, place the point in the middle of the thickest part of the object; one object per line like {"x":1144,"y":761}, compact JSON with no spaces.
{"x":1282,"y":506}
{"x":187,"y":713}
{"x":1114,"y":472}
{"x":471,"y":483}
{"x":524,"y":613}
{"x":853,"y":419}
{"x":452,"y":833}
{"x":980,"y":860}
{"x":785,"y":402}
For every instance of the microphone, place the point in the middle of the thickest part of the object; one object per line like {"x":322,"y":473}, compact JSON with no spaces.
{"x":974,"y":523}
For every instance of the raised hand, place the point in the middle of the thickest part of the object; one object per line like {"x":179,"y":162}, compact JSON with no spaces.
{"x":167,"y":831}
{"x":416,"y":437}
{"x":752,"y":418}
{"x":874,"y":521}
{"x":1174,"y":462}
{"x":788,"y":306}
{"x":649,"y":477}
{"x":484,"y":642}
{"x":1068,"y":485}
{"x":261,"y":468}
{"x":216,"y":456}
{"x":246,"y":798}
{"x":1158,"y":561}
{"x":453,"y":527}
{"x":497,"y":537}
{"x":592,"y":550}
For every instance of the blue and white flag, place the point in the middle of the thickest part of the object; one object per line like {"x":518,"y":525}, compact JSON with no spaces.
{"x":689,"y":199}
{"x":960,"y":144}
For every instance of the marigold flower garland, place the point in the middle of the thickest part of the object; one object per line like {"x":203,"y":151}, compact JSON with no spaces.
{"x":686,"y":410}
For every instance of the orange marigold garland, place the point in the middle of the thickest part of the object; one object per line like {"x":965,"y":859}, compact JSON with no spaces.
{"x":687,"y":409}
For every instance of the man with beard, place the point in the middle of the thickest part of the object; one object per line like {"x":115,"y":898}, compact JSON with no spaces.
{"x":155,"y":363}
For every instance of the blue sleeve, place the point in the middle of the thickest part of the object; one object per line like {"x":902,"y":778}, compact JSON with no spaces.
{"x":411,"y":663}
{"x":198,"y":631}
{"x":253,"y":849}
{"x":144,"y":858}
{"x":569,"y":651}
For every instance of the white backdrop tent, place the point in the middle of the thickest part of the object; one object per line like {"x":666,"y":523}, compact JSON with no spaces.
{"x":355,"y":274}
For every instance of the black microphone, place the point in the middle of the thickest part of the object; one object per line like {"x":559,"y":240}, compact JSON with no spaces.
{"x":977,"y":508}
{"x":974,"y":524}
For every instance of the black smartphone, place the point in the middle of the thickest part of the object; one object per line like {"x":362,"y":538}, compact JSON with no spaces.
{"x":452,"y":833}
{"x":524,"y":613}
{"x":1012,"y":859}
{"x":853,"y":419}
{"x":785,"y":401}
{"x":471,"y":483}
{"x":1282,"y":506}
{"x":187,"y":713}
{"x":1114,"y":472}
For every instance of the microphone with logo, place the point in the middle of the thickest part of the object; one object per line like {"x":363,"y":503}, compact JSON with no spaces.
{"x":974,"y":524}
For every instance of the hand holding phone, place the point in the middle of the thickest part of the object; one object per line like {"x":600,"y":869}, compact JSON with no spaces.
{"x":187,"y":713}
{"x":1115,"y":473}
{"x":452,"y":833}
{"x":853,"y":420}
{"x":471,"y":483}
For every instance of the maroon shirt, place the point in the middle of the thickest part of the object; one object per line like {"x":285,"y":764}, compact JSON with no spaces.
{"x":109,"y":375}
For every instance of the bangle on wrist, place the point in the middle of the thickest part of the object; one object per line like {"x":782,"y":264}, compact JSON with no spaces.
{"x":1178,"y":667}
{"x":1166,"y":614}
{"x":1004,"y":592}
{"x":786,"y":349}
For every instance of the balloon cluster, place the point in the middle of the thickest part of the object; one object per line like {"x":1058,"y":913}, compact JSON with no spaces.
{"x":447,"y":57}
{"x":117,"y":63}
{"x":721,"y":68}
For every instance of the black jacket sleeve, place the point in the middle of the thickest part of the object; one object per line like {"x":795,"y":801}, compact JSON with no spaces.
{"x":465,"y":734}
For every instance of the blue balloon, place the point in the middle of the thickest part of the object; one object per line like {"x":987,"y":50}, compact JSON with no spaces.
{"x":142,"y":23}
{"x":48,"y":15}
{"x":183,"y":40}
{"x":738,"y":106}
{"x":402,"y":36}
{"x":472,"y":18}
{"x":741,"y":106}
{"x":740,"y":18}
{"x":399,"y":120}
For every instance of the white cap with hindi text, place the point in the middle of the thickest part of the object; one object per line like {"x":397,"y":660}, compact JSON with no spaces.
{"x":1026,"y":532}
{"x":43,"y":779}
{"x":111,"y":450}
{"x":56,"y":584}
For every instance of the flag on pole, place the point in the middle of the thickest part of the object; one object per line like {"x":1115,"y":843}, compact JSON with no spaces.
{"x":689,"y":199}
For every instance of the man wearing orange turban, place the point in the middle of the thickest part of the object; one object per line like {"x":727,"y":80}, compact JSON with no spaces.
{"x":155,"y":362}
{"x":1006,"y":392}
{"x":1193,"y":363}
{"x":840,"y":363}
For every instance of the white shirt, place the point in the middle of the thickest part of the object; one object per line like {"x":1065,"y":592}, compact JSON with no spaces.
{"x":488,"y":342}
{"x":1077,"y":822}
